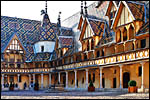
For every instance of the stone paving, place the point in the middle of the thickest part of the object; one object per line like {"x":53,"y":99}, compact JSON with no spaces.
{"x":72,"y":95}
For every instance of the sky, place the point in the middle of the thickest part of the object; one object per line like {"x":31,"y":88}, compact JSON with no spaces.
{"x":32,"y":9}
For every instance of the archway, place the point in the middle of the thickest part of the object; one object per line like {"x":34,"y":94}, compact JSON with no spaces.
{"x":131,"y":32}
{"x":126,"y":79}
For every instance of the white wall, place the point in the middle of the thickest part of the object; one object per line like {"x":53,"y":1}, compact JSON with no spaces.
{"x":48,"y":46}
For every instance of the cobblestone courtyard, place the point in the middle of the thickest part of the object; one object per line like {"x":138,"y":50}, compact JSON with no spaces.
{"x":72,"y":95}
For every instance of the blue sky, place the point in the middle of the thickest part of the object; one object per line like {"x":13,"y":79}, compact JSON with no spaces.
{"x":31,"y":9}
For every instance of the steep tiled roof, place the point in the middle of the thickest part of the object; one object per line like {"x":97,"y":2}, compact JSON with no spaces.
{"x":70,"y":51}
{"x":97,"y":26}
{"x":42,"y":56}
{"x":47,"y":30}
{"x":65,"y":41}
{"x":137,"y":10}
{"x":144,"y":29}
{"x":26,"y":30}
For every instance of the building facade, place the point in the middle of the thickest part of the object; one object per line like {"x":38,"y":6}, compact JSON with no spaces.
{"x":109,"y":48}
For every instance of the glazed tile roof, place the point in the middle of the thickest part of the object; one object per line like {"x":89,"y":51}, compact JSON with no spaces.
{"x":42,"y":56}
{"x":66,"y":31}
{"x":139,"y":10}
{"x":144,"y":29}
{"x":97,"y":26}
{"x":70,"y":51}
{"x":65,"y":42}
{"x":26,"y":31}
{"x":48,"y":30}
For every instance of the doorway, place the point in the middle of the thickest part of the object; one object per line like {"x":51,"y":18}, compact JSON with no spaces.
{"x":64,"y":80}
{"x":103,"y":82}
{"x":114,"y":82}
{"x":126,"y":79}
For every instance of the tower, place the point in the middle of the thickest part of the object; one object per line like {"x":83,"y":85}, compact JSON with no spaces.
{"x":47,"y":35}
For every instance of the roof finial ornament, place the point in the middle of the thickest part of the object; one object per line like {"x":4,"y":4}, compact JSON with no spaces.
{"x":46,"y":7}
{"x":85,"y":9}
{"x":59,"y":21}
{"x":81,"y":8}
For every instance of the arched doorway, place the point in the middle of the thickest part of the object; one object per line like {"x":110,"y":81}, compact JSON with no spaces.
{"x":126,"y":79}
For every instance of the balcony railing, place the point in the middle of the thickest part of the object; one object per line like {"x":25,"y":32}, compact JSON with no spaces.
{"x":106,"y":60}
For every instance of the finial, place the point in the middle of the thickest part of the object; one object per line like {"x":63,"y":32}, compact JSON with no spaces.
{"x":85,"y":9}
{"x":59,"y":21}
{"x":81,"y":7}
{"x":46,"y":7}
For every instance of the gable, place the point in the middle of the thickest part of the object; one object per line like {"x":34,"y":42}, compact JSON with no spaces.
{"x":125,"y":17}
{"x":80,"y":23}
{"x":15,"y":44}
{"x":83,"y":30}
{"x":88,"y":32}
{"x":111,"y":7}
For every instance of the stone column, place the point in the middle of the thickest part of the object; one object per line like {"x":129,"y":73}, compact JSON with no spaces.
{"x":142,"y":85}
{"x":2,"y":81}
{"x":49,"y":79}
{"x":86,"y":78}
{"x":33,"y":78}
{"x":18,"y":77}
{"x":29,"y":81}
{"x":42,"y":81}
{"x":66,"y":79}
{"x":59,"y":77}
{"x":75,"y":78}
{"x":120,"y":75}
{"x":101,"y":86}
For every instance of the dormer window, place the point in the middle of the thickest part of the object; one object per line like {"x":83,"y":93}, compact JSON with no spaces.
{"x":42,"y":48}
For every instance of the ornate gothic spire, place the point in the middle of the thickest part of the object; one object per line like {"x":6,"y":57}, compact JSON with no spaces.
{"x":46,"y":7}
{"x":81,"y":8}
{"x":59,"y":21}
{"x":85,"y":9}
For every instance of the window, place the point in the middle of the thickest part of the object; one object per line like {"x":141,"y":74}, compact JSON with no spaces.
{"x":93,"y":77}
{"x":61,"y":53}
{"x":92,"y":44}
{"x":18,"y":65}
{"x":85,"y":57}
{"x":140,"y":71}
{"x":103,"y":52}
{"x":11,"y":65}
{"x":98,"y":54}
{"x":72,"y":81}
{"x":143,"y":43}
{"x":42,"y":48}
{"x":115,"y":71}
{"x":87,"y":45}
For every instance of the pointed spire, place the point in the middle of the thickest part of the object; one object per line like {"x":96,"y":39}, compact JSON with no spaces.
{"x":81,"y":8}
{"x":46,"y":7}
{"x":59,"y":21}
{"x":59,"y":24}
{"x":85,"y":9}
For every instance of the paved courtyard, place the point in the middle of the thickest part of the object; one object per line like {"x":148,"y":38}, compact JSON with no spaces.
{"x":72,"y":95}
